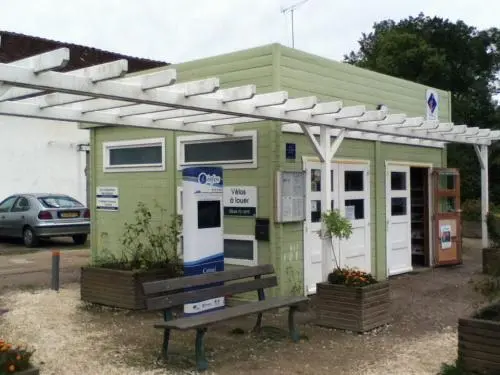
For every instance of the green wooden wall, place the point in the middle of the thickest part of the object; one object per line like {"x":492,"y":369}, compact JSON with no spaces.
{"x":272,"y":67}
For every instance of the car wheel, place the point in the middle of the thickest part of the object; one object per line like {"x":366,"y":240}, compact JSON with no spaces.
{"x":30,"y":238}
{"x":80,"y":239}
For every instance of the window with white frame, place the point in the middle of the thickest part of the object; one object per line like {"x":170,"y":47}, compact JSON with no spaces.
{"x":240,"y":250}
{"x":138,"y":155}
{"x":234,"y":152}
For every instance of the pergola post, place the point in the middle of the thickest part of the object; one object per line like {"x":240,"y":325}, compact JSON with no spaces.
{"x":326,"y":191}
{"x":482,"y":154}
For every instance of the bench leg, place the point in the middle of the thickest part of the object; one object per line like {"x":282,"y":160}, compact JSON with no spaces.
{"x":166,"y":339}
{"x":258,"y":324}
{"x":294,"y":333}
{"x":201,"y":361}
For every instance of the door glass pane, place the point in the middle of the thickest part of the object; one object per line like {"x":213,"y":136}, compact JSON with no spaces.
{"x":331,"y":181}
{"x":447,"y":181}
{"x":315,"y":211}
{"x":332,"y":205}
{"x":238,"y":249}
{"x":398,"y":180}
{"x":315,"y":179}
{"x":447,"y":204}
{"x":399,"y":206}
{"x":353,"y":181}
{"x":356,"y":208}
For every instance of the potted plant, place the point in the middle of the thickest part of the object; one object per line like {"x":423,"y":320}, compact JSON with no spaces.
{"x":491,"y":254}
{"x":149,"y":253}
{"x":16,"y":360}
{"x":350,"y":299}
{"x":479,"y":334}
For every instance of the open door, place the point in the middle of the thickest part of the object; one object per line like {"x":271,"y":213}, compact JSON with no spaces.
{"x":447,"y":220}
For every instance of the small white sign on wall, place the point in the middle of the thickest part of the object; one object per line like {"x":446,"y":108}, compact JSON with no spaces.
{"x":432,"y":105}
{"x":107,"y":198}
{"x":240,"y":200}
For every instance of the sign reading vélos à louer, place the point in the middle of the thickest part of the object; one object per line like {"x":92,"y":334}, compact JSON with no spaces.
{"x":240,"y":200}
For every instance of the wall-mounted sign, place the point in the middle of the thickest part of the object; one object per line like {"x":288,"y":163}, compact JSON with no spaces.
{"x":240,"y":200}
{"x":107,"y":198}
{"x":432,"y":105}
{"x":291,"y":194}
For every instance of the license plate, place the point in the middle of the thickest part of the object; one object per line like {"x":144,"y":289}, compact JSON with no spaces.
{"x":69,"y":215}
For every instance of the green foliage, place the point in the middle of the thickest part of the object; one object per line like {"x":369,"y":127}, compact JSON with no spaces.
{"x":455,"y":369}
{"x":147,"y":243}
{"x":335,"y":225}
{"x":471,"y":210}
{"x":493,"y":222}
{"x":451,"y":56}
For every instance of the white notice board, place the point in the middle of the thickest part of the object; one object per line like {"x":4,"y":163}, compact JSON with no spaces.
{"x":290,"y":195}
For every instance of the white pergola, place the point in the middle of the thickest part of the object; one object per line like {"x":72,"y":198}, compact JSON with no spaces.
{"x":100,"y":95}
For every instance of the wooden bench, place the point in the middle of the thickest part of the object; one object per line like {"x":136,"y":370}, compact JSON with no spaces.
{"x":167,"y":294}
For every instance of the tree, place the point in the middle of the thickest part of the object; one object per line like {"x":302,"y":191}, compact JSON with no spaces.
{"x":449,"y":56}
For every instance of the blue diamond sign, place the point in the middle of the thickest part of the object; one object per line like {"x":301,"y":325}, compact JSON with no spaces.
{"x":432,"y":104}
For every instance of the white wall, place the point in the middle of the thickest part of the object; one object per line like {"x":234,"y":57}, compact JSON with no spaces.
{"x":41,"y":156}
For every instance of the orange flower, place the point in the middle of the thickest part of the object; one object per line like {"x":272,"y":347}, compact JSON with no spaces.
{"x":18,"y":357}
{"x":12,"y":368}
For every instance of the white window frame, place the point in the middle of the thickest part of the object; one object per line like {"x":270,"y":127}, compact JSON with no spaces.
{"x":134,"y":143}
{"x":242,"y":262}
{"x":210,"y":138}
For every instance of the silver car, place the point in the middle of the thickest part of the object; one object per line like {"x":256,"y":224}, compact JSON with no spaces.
{"x":35,"y":216}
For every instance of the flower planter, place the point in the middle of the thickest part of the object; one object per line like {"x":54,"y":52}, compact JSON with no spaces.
{"x":358,"y":309}
{"x":479,"y":342}
{"x":491,"y":261}
{"x":30,"y":371}
{"x":118,"y":288}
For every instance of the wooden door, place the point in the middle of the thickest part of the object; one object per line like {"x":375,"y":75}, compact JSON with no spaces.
{"x":446,"y":216}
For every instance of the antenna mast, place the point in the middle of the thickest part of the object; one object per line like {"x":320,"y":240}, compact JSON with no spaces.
{"x":290,"y":9}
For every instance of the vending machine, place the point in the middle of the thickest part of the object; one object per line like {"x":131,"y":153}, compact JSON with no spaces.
{"x":203,"y":232}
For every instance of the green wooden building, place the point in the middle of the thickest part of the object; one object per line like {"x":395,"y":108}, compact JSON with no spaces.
{"x":382,"y":183}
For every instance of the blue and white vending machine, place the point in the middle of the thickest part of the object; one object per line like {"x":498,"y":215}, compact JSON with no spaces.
{"x":203,"y":233}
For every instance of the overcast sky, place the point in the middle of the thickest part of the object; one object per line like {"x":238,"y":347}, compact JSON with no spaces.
{"x":181,"y":30}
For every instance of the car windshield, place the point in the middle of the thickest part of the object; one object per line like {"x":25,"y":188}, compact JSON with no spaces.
{"x":59,"y":201}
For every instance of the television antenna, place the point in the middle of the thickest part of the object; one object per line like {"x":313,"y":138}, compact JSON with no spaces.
{"x":290,"y":9}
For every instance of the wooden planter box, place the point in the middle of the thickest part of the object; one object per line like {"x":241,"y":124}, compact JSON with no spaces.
{"x":479,"y":345}
{"x":30,"y":371}
{"x":491,"y":261}
{"x":117,"y":288}
{"x":353,"y":308}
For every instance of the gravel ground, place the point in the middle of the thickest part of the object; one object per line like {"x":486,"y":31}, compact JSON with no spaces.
{"x":72,"y":338}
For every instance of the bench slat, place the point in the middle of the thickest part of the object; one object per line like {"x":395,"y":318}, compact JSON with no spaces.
{"x":171,"y":300}
{"x":178,"y":283}
{"x":208,"y":318}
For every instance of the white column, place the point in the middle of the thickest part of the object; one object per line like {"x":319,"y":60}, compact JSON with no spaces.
{"x":485,"y":198}
{"x":482,"y":154}
{"x":326,"y":193}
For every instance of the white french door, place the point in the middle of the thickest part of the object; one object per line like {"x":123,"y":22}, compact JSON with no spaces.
{"x":351,"y":195}
{"x":354,"y":203}
{"x":398,"y":214}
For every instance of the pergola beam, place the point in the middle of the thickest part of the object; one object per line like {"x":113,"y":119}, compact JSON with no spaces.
{"x":154,"y":99}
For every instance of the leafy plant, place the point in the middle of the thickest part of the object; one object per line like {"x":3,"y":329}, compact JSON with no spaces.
{"x":493,"y":223}
{"x":471,"y":210}
{"x":14,"y":358}
{"x":146,"y":245}
{"x":455,"y":369}
{"x":334,"y":225}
